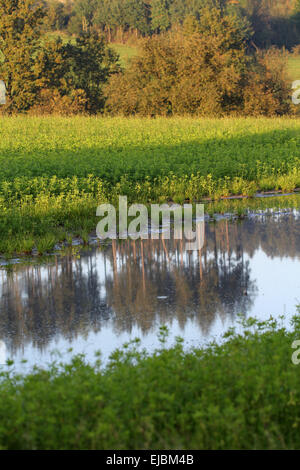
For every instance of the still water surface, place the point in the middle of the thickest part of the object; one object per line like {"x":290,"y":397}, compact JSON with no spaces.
{"x":114,"y":293}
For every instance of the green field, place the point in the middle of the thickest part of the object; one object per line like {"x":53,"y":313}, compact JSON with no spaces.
{"x":244,"y":394}
{"x":294,"y":67}
{"x":56,"y":171}
{"x":125,"y":51}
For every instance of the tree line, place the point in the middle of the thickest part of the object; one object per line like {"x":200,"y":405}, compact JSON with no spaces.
{"x":207,"y":69}
{"x":274,"y":22}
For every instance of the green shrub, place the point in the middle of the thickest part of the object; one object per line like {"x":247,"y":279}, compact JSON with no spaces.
{"x":243,"y":394}
{"x":206,"y":72}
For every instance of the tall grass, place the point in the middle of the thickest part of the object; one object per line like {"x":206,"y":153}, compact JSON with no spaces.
{"x":56,"y":171}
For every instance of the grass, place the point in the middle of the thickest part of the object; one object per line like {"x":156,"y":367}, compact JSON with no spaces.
{"x":125,"y":51}
{"x":56,"y":171}
{"x":294,"y":67}
{"x":242,"y":394}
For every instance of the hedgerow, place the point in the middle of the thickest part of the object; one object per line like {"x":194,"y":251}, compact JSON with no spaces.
{"x":242,"y":394}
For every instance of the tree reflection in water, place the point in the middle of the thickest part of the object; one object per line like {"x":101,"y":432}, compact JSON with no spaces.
{"x":141,"y":284}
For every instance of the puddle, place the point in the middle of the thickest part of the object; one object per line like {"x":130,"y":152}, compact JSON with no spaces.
{"x":108,"y":295}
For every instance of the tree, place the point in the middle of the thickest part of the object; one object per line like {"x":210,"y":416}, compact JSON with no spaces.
{"x":273,"y":21}
{"x":296,"y":18}
{"x":75,"y":73}
{"x":58,"y":15}
{"x":137,"y":16}
{"x":83,"y":16}
{"x":205,"y":71}
{"x":20,"y":32}
{"x":90,"y":63}
{"x":160,"y":15}
{"x":37,"y":70}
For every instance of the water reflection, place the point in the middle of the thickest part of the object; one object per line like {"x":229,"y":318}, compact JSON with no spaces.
{"x":135,"y":286}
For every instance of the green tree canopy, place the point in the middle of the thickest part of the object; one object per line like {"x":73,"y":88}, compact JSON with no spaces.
{"x":20,"y":32}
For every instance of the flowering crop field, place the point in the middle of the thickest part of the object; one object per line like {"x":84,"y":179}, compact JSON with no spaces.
{"x":55,"y":171}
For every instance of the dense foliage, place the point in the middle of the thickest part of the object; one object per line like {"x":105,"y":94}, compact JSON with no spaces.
{"x":208,"y":65}
{"x":243,"y":394}
{"x":275,"y":22}
{"x":204,"y":70}
{"x":56,"y":171}
{"x":20,"y":30}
